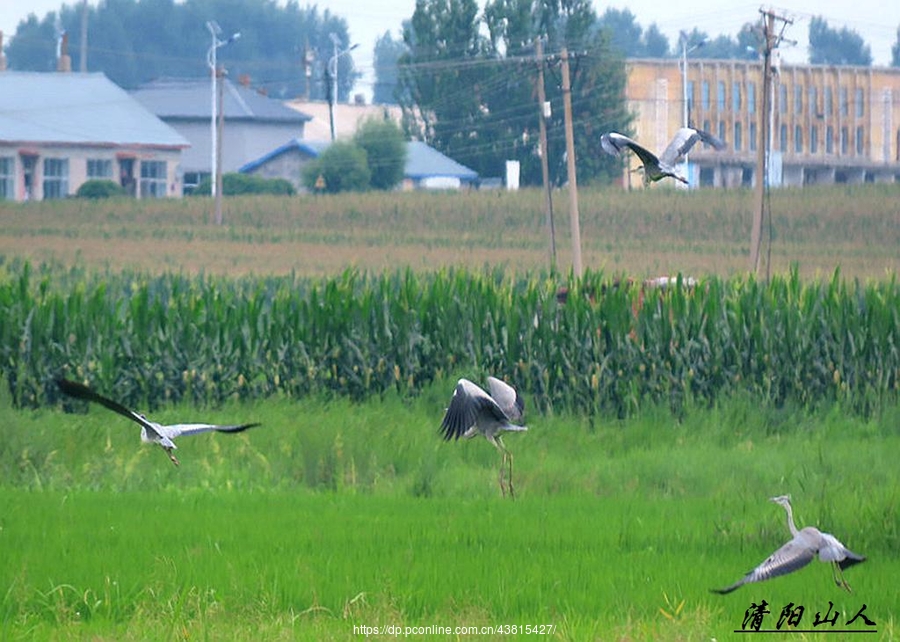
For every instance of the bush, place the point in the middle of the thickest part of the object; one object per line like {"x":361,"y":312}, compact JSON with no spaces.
{"x":385,"y":149}
{"x":239,"y":184}
{"x":343,"y":167}
{"x":99,"y":188}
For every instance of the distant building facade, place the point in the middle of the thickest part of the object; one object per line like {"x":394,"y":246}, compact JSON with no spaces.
{"x":829,"y":124}
{"x":58,"y":130}
{"x":253,"y":122}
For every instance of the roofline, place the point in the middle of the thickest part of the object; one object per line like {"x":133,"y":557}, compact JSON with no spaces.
{"x":93,"y":144}
{"x":754,"y":61}
{"x":233,"y":119}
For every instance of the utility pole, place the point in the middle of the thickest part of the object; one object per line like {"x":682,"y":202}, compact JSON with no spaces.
{"x":543,"y":115}
{"x":770,"y":42}
{"x":570,"y":164}
{"x":82,"y":58}
{"x":220,"y":128}
{"x":308,"y":59}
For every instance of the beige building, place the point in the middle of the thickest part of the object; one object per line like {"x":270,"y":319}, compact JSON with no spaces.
{"x":58,"y":130}
{"x":347,"y":117}
{"x":830,"y":124}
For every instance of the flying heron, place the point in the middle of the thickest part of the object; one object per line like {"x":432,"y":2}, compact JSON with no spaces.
{"x":800,"y":551}
{"x":656,"y":168}
{"x":151,"y":432}
{"x":473,"y":412}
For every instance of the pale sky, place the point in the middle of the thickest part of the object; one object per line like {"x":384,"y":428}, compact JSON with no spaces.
{"x":875,"y":20}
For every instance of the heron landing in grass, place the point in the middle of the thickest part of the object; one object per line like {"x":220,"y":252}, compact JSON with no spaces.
{"x":473,"y":412}
{"x":806,"y":544}
{"x":666,"y":164}
{"x":151,"y":432}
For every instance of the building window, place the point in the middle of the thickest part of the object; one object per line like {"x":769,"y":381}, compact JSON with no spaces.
{"x":829,"y":140}
{"x":782,"y":138}
{"x":751,"y":97}
{"x":690,"y":96}
{"x":845,"y":137}
{"x":56,"y":177}
{"x":737,"y":137}
{"x":813,"y":139}
{"x":736,"y":97}
{"x":752,"y":137}
{"x":813,"y":100}
{"x":721,"y":130}
{"x":798,"y":99}
{"x":782,"y":98}
{"x":706,"y":126}
{"x":829,"y":108}
{"x":860,"y":143}
{"x":99,"y":168}
{"x":720,"y":95}
{"x":845,"y":102}
{"x":153,"y":179}
{"x":859,"y":102}
{"x":798,"y":139}
{"x":7,"y":178}
{"x":704,"y":94}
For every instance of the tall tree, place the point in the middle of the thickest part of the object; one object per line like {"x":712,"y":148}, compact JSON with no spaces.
{"x":134,"y":41}
{"x":486,"y":111}
{"x":625,"y":34}
{"x":442,"y":75}
{"x":656,"y":44}
{"x":836,"y":47}
{"x":895,"y":51}
{"x":387,"y":55}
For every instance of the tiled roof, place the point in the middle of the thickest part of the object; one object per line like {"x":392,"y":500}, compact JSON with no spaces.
{"x":422,"y":161}
{"x":192,"y":99}
{"x":76,"y":108}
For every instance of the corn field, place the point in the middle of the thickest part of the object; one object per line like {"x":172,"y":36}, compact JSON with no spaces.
{"x":597,"y":345}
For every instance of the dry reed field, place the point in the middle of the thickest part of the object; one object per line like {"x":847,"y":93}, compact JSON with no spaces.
{"x":647,"y":233}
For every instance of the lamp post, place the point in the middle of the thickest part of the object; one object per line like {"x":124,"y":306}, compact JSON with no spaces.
{"x":214,"y":31}
{"x":685,"y":50}
{"x":333,"y":70}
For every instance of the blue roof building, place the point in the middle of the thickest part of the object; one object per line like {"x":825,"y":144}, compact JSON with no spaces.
{"x":254,"y":123}
{"x":426,"y":168}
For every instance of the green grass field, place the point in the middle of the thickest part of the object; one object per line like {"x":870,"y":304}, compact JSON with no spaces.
{"x":334,"y":515}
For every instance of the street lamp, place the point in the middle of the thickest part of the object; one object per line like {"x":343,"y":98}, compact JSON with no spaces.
{"x":215,"y":30}
{"x":333,"y":68}
{"x":685,"y":50}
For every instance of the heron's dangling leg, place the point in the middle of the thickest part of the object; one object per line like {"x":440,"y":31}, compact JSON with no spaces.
{"x":506,"y":468}
{"x":512,"y":491}
{"x":498,"y":444}
{"x":170,"y":454}
{"x":838,"y":575}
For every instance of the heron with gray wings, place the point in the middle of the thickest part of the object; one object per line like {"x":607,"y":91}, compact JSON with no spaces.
{"x":473,"y":411}
{"x":805,"y":545}
{"x":151,"y":432}
{"x":658,"y":167}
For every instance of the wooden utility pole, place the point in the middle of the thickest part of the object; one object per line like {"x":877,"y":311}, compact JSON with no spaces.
{"x":220,"y":128}
{"x":82,"y":58}
{"x":770,"y":42}
{"x":570,"y":165}
{"x":543,"y":106}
